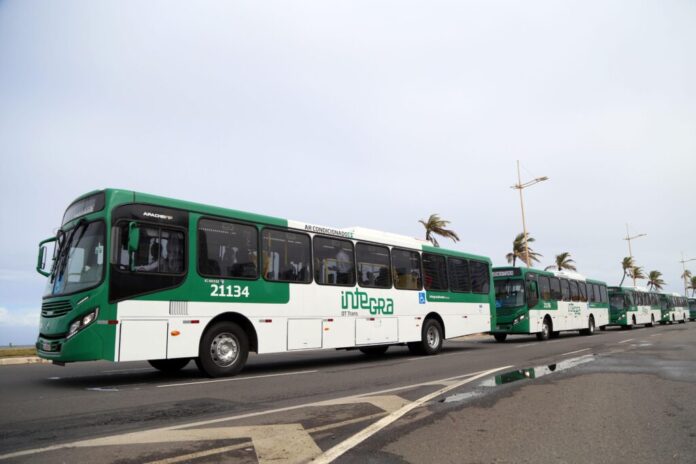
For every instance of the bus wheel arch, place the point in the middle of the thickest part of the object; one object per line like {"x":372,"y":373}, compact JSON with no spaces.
{"x":242,"y":322}
{"x":546,"y":328}
{"x":590,"y":326}
{"x":437,"y":317}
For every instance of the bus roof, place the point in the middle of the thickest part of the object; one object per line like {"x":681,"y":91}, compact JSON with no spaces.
{"x":509,"y":271}
{"x":356,"y":233}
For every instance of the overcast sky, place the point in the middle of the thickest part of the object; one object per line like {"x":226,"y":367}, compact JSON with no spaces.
{"x":369,"y":113}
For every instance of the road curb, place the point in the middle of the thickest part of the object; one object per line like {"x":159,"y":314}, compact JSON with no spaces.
{"x":23,"y":360}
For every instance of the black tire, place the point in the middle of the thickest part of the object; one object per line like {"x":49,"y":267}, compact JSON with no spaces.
{"x":223,"y":350}
{"x":169,"y":365}
{"x":603,"y":328}
{"x":500,"y":337}
{"x":546,"y":329}
{"x":431,"y":339}
{"x":627,"y":327}
{"x":662,"y":322}
{"x":590,"y":330}
{"x":555,"y":334}
{"x":374,"y":350}
{"x":652,"y":322}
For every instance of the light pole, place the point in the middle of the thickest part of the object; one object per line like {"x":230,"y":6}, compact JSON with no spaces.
{"x":686,"y":284}
{"x":628,"y":238}
{"x":520,"y":186}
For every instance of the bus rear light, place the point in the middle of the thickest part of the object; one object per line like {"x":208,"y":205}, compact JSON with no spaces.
{"x":194,"y":321}
{"x":266,"y":320}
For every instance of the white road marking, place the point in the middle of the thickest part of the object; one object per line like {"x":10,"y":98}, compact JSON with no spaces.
{"x":576,"y":351}
{"x":338,"y":450}
{"x":234,"y":379}
{"x":526,"y":345}
{"x":625,"y":341}
{"x":164,"y":430}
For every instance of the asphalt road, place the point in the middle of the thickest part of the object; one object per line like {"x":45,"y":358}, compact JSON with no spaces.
{"x":617,"y":396}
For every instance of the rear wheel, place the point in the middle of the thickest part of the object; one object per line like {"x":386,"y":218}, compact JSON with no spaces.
{"x":590,"y":327}
{"x":602,"y":328}
{"x":374,"y":350}
{"x":545,"y":330}
{"x":652,"y":322}
{"x":169,"y":365}
{"x":500,"y":337}
{"x":431,"y":339}
{"x":223,"y":350}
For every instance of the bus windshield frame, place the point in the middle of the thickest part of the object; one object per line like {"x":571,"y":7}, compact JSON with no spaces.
{"x":520,"y":298}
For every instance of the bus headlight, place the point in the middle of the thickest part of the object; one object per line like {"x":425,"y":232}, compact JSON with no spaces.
{"x":82,"y":322}
{"x":518,"y":319}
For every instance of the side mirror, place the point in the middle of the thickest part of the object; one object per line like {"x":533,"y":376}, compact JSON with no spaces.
{"x":532,"y":296}
{"x":133,"y":242}
{"x":41,"y":261}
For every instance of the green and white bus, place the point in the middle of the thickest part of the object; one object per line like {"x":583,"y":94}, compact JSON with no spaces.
{"x":632,"y":306}
{"x":674,"y":308}
{"x":140,"y":277}
{"x":530,"y":301}
{"x":692,"y":309}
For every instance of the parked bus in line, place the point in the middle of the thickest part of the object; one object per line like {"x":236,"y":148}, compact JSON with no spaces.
{"x":140,"y":277}
{"x":630,"y":306}
{"x":692,"y":309}
{"x":530,"y":301}
{"x":674,"y":308}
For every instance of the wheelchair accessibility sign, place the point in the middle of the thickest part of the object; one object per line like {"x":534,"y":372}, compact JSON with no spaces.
{"x":421,"y":297}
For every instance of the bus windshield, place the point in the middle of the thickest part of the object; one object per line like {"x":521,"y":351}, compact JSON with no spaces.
{"x":79,"y":259}
{"x":509,"y":293}
{"x":617,"y":302}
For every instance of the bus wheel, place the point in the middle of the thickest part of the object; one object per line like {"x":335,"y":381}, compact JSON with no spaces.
{"x":603,"y":328}
{"x":545,"y":330}
{"x":223,"y":350}
{"x":169,"y":365}
{"x":374,"y":350}
{"x":555,"y":334}
{"x":431,"y":339}
{"x":590,"y":327}
{"x":652,"y":322}
{"x":500,"y":337}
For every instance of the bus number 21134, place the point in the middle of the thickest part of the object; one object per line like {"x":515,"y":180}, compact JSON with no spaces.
{"x":229,"y":291}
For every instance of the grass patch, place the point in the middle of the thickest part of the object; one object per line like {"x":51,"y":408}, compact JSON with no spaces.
{"x":17,"y":352}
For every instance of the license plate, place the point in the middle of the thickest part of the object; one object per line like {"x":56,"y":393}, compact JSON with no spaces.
{"x":46,"y":346}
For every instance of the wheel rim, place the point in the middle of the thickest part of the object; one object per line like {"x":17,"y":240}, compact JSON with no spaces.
{"x":545,"y":330}
{"x":432,"y":337}
{"x":591,"y":326}
{"x":224,"y":349}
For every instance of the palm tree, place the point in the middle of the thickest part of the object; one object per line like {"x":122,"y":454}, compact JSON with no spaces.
{"x":518,"y":251}
{"x":655,"y":281}
{"x":563,"y":261}
{"x":436,"y":226}
{"x":636,"y":273}
{"x":627,"y":264}
{"x":693,"y":286}
{"x":686,"y":276}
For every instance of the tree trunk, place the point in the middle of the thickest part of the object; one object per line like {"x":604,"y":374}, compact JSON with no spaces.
{"x":622,"y":279}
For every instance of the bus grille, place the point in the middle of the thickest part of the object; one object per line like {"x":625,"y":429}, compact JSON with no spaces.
{"x":504,"y":312}
{"x":55,"y":308}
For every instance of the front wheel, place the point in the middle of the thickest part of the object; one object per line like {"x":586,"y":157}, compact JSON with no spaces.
{"x":431,"y":339}
{"x":545,"y":330}
{"x":652,"y":322}
{"x":169,"y":365}
{"x":223,"y":350}
{"x":500,"y":337}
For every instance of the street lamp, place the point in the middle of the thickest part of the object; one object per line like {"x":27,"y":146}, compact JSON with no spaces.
{"x":628,"y":238}
{"x":686,"y":284}
{"x":520,"y":186}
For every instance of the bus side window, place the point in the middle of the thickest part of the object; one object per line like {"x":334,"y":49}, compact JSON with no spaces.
{"x":435,"y":272}
{"x":590,"y":293}
{"x":565,"y":289}
{"x":373,"y":266}
{"x":597,"y":296}
{"x":603,"y":292}
{"x":583,"y":291}
{"x":545,"y":288}
{"x":574,"y":292}
{"x":286,"y":256}
{"x":532,"y":294}
{"x":459,"y":278}
{"x":556,"y":289}
{"x":407,"y":269}
{"x":480,"y":277}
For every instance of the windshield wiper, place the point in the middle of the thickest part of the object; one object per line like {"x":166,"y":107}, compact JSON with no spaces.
{"x":64,"y":248}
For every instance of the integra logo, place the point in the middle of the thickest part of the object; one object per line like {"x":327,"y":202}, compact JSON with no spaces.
{"x":158,"y":216}
{"x":360,"y":300}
